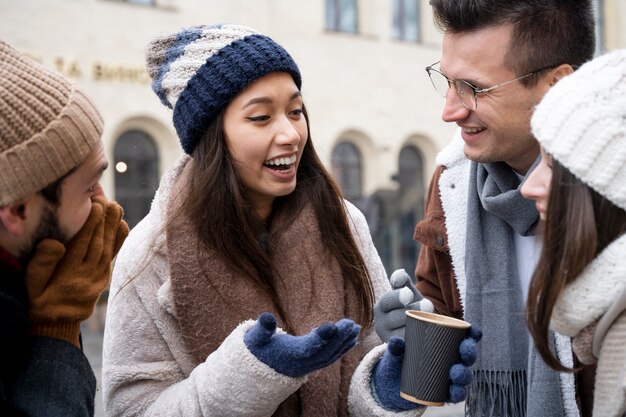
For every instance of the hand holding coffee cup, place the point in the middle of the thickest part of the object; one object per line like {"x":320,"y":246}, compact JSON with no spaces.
{"x":438,"y":352}
{"x":389,"y":310}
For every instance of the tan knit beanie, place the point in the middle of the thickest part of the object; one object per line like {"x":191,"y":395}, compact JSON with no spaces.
{"x":47,"y":126}
{"x":581,"y":122}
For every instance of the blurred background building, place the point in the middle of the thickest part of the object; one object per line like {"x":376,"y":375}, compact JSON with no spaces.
{"x":374,"y":115}
{"x":375,"y":118}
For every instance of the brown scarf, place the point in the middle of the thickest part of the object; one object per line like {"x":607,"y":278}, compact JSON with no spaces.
{"x":211,"y":299}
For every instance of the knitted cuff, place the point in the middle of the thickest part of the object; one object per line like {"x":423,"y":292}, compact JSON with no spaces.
{"x":69,"y":331}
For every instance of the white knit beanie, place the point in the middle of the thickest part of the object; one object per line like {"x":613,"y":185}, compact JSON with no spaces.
{"x":581,"y":122}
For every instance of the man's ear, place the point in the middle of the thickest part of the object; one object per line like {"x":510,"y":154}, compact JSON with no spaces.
{"x":559,"y":72}
{"x":14,"y":217}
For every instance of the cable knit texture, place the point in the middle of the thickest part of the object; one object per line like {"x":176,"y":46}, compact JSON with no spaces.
{"x":199,"y":70}
{"x":580,"y":122}
{"x":47,"y":126}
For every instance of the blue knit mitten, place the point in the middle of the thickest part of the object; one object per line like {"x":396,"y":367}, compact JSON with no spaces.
{"x":386,"y":374}
{"x":389,"y":310}
{"x":460,"y":374}
{"x":297,"y":356}
{"x":386,"y":378}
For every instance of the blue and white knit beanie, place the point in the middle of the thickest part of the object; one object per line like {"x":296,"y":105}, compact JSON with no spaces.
{"x":581,"y":122}
{"x":199,"y":70}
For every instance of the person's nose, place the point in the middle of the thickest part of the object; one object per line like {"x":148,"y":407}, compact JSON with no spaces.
{"x":286,"y":133}
{"x":453,"y":109}
{"x":534,"y":188}
{"x":98,"y":191}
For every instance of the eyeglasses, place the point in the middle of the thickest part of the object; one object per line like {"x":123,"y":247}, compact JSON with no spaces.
{"x":465,"y":91}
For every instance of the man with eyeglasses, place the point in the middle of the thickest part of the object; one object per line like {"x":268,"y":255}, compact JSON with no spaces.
{"x":478,"y":246}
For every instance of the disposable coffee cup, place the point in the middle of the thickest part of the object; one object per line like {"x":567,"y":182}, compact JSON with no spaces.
{"x":431,"y":348}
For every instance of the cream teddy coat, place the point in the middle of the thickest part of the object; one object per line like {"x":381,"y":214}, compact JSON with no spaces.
{"x":146,"y":368}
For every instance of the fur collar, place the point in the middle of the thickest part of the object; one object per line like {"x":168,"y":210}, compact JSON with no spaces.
{"x":590,"y":295}
{"x":453,"y":187}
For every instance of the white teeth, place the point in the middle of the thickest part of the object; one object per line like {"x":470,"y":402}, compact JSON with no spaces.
{"x":281,"y":161}
{"x":472,"y":129}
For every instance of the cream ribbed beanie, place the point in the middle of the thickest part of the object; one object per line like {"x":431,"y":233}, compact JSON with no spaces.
{"x":581,"y":122}
{"x":47,"y":126}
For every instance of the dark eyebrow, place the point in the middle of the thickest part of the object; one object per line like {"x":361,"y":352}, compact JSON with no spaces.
{"x":266,"y":100}
{"x":469,"y":81}
{"x":102,"y":168}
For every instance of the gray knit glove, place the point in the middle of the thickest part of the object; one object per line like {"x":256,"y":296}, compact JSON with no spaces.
{"x":389,"y":311}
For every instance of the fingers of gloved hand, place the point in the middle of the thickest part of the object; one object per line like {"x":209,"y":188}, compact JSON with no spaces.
{"x":122,"y":233}
{"x":394,"y":299}
{"x":112,"y":222}
{"x":423,"y":305}
{"x":79,"y":246}
{"x":396,"y":347}
{"x":326,"y":331}
{"x":329,"y":338}
{"x":42,"y":265}
{"x":390,"y":324}
{"x":460,"y":375}
{"x":386,"y":378}
{"x":350,"y":331}
{"x":468,"y":349}
{"x":475,"y":332}
{"x":392,"y":320}
{"x":399,"y":278}
{"x":324,"y":354}
{"x":96,"y":245}
{"x":262,"y":331}
{"x":458,"y":393}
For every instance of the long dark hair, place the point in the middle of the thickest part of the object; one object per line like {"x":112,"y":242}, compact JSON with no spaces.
{"x":580,"y":223}
{"x":226,"y":222}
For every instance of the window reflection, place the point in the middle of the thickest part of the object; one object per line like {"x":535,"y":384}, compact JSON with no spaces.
{"x":341,"y":16}
{"x":347,"y":169}
{"x":406,"y":20}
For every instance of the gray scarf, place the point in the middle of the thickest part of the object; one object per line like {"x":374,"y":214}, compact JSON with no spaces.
{"x":510,"y":379}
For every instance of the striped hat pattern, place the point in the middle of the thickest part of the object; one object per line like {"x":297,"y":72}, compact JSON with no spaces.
{"x":199,"y":70}
{"x":581,"y":122}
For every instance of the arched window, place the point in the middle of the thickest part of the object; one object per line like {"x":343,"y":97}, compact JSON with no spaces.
{"x":411,"y":204}
{"x":347,"y":169}
{"x":410,"y":170}
{"x":136,"y":174}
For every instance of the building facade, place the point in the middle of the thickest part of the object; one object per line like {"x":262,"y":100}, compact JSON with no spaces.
{"x":375,"y":118}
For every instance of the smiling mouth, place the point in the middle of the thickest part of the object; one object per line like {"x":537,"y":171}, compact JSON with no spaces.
{"x":473,"y":130}
{"x":281,"y":164}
